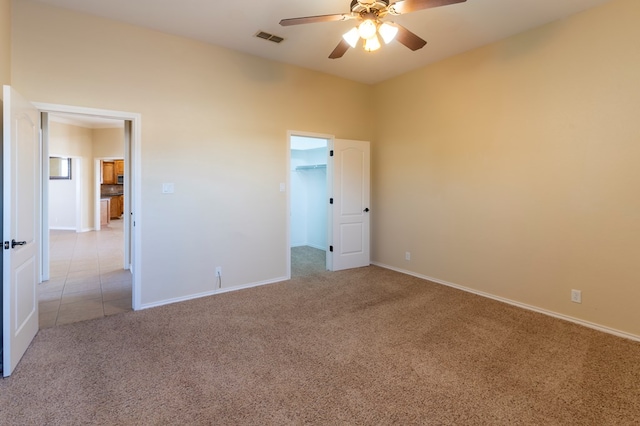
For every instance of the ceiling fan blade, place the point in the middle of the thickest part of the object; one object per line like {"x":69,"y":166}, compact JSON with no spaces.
{"x":340,"y":50}
{"x":314,"y":19}
{"x":409,"y":39}
{"x":407,"y":6}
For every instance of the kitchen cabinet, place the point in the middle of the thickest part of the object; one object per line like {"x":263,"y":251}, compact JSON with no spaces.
{"x":108,"y":173}
{"x":117,"y":206}
{"x":119,"y":166}
{"x":105,"y":211}
{"x":111,"y":170}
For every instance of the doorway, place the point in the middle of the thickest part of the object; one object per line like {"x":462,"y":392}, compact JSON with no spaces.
{"x":308,"y":202}
{"x":87,"y":275}
{"x":128,"y":232}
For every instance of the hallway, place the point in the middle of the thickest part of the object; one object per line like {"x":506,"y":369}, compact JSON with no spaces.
{"x":87,"y":279}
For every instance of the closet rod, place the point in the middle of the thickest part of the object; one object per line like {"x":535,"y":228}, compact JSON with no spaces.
{"x":311,"y":167}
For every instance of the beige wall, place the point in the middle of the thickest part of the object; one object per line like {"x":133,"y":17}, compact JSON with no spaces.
{"x":5,"y":42}
{"x":108,"y":143}
{"x":86,"y":144}
{"x":214,"y":123}
{"x":513,"y":169}
{"x":67,"y":140}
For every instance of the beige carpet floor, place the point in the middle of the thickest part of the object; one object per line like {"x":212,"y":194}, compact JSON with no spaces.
{"x":307,"y":260}
{"x":363,"y":347}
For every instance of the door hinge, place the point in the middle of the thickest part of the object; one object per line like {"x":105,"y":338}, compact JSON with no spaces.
{"x":330,"y":200}
{"x":331,"y":249}
{"x":331,"y":153}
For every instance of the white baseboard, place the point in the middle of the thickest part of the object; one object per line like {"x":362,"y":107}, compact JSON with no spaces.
{"x":309,"y":245}
{"x":70,"y":228}
{"x":62,"y":228}
{"x":578,"y":321}
{"x":210,"y":293}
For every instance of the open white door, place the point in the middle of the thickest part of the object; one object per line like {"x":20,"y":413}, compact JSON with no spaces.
{"x":21,"y":226}
{"x":349,"y":235}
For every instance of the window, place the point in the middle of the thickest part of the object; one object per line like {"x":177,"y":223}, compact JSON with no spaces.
{"x":59,"y":168}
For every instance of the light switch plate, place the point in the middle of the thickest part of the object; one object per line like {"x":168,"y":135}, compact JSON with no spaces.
{"x":576,"y":296}
{"x":167,"y":188}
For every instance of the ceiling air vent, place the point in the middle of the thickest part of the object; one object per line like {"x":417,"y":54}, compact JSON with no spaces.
{"x":270,"y":37}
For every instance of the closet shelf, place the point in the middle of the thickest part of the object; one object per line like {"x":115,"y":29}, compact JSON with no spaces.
{"x":312,"y":167}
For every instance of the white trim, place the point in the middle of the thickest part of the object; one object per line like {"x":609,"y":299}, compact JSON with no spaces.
{"x":135,"y":167}
{"x":97,"y":171}
{"x":77,"y":163}
{"x":45,"y":240}
{"x":578,"y":321}
{"x":95,"y":112}
{"x":127,"y":192}
{"x":330,"y":181}
{"x":212,"y":293}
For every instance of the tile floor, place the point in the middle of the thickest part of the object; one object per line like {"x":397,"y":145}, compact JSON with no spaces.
{"x":87,"y":279}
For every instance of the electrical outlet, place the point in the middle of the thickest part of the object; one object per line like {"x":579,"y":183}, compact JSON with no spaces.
{"x":218,"y":271}
{"x":407,"y":255}
{"x":576,"y":296}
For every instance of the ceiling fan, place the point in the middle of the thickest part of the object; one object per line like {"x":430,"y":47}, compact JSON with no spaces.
{"x":370,"y":15}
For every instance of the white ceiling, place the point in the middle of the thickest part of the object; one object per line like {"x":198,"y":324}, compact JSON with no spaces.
{"x":449,"y":30}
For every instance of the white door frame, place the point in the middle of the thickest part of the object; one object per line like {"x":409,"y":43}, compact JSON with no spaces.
{"x":329,"y":138}
{"x":133,"y":188}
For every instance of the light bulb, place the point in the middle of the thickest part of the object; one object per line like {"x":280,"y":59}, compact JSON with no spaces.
{"x":372,"y":44}
{"x":352,"y":37}
{"x":367,"y":29}
{"x":388,"y":32}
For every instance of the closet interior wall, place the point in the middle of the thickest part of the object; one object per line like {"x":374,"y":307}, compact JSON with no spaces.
{"x":309,"y":198}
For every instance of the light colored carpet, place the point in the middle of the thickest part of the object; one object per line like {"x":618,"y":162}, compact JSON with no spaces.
{"x":307,"y":260}
{"x":366,"y":346}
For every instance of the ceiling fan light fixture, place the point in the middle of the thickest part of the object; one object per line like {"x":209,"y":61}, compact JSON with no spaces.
{"x":352,"y":37}
{"x":388,"y":32}
{"x":367,"y":29}
{"x":372,"y":44}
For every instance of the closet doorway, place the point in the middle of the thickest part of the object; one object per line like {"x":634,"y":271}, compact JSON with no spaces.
{"x":309,"y":205}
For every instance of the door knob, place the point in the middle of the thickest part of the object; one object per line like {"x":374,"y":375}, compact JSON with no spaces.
{"x":366,"y":210}
{"x":17,"y":243}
